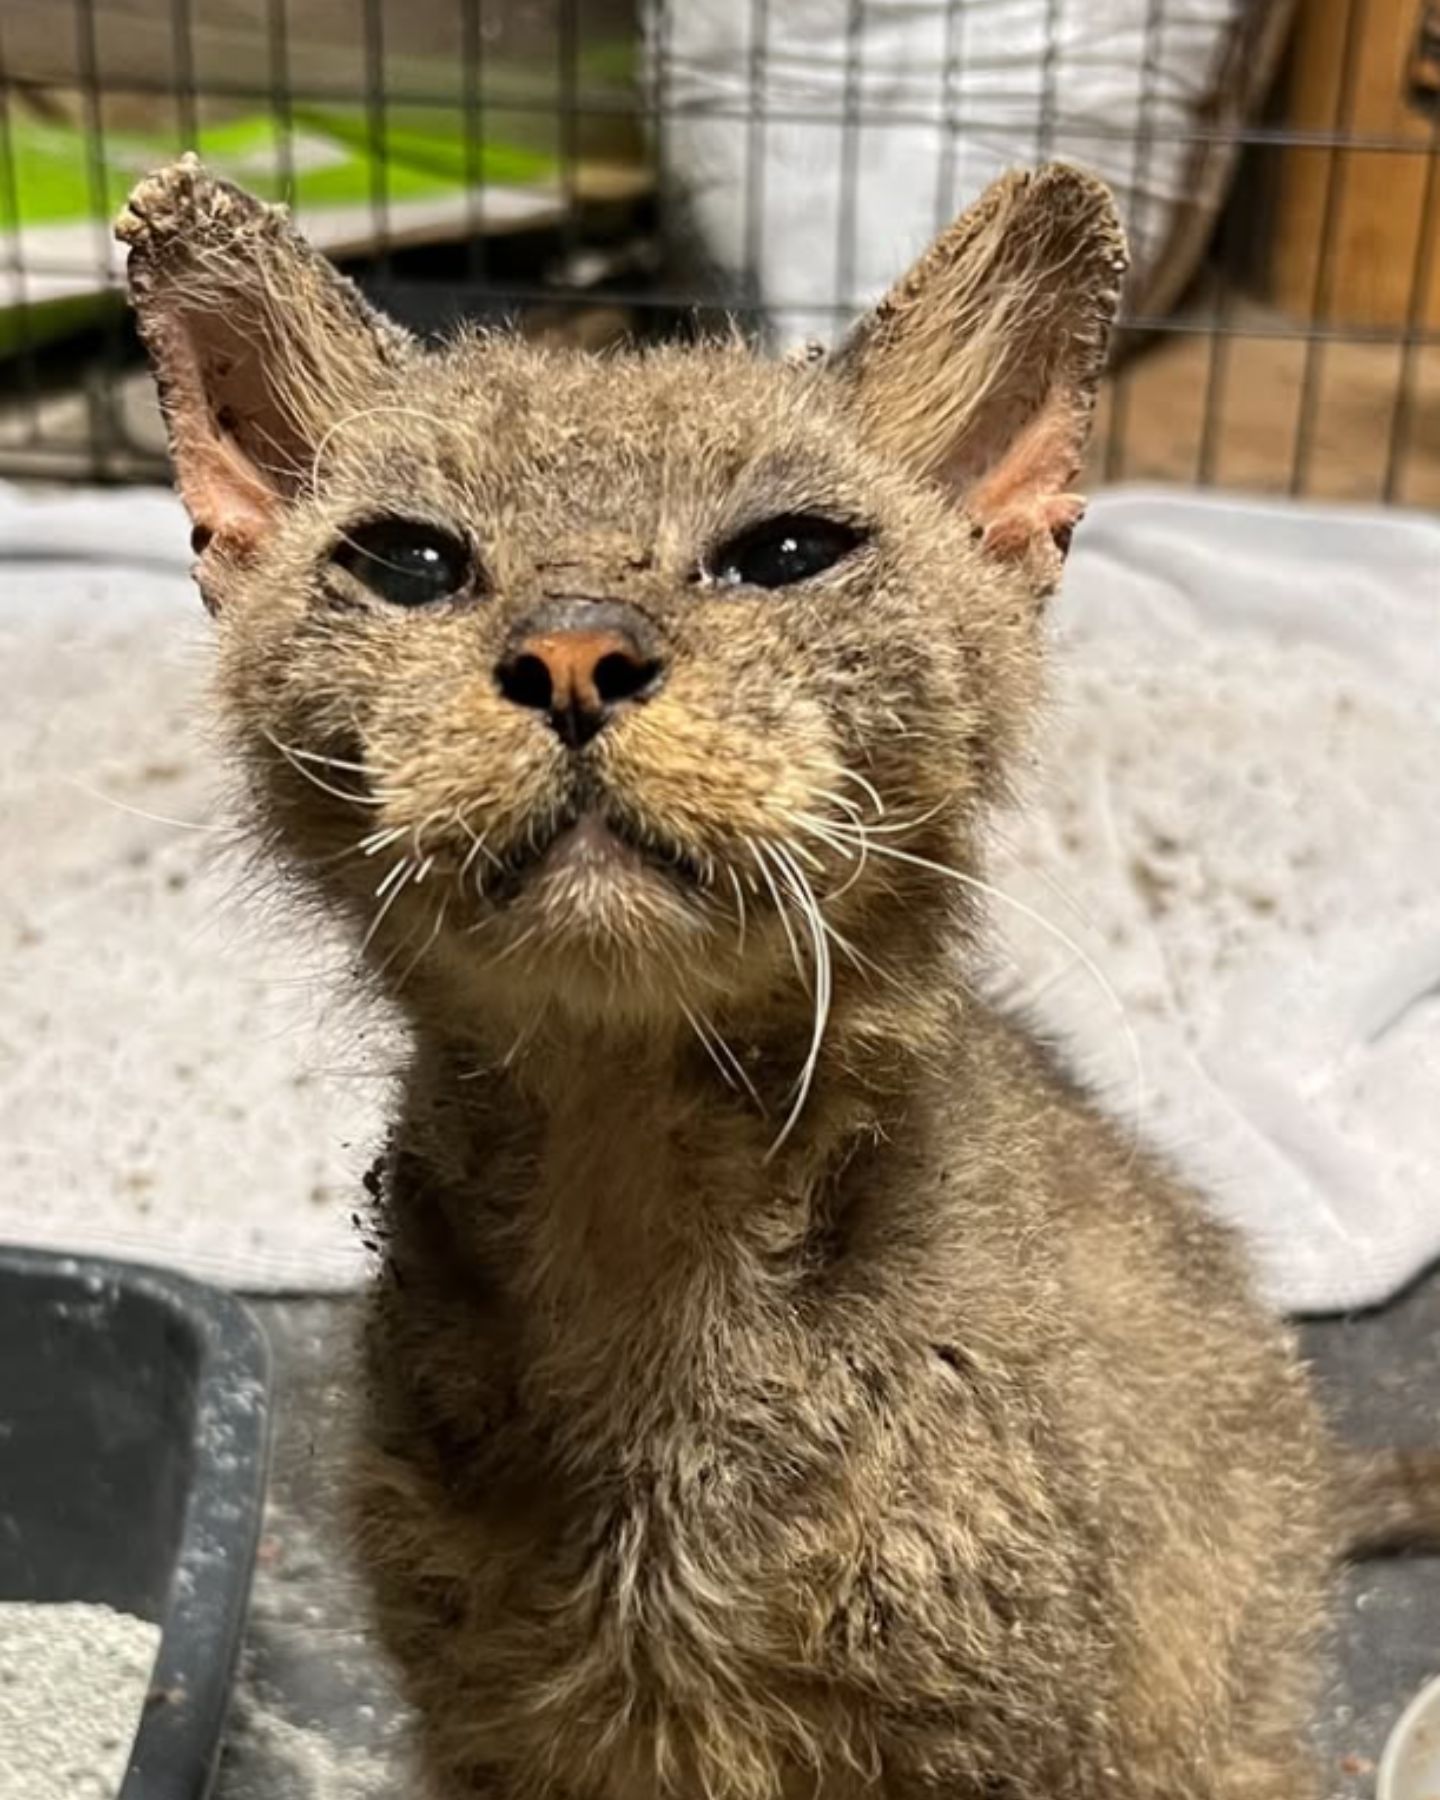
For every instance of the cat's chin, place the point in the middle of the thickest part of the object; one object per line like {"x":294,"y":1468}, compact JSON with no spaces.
{"x":591,"y":923}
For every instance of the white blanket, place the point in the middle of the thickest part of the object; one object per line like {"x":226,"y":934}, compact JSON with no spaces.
{"x":1237,"y":824}
{"x":1239,"y":796}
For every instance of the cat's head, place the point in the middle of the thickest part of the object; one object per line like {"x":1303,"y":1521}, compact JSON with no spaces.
{"x":623,"y":683}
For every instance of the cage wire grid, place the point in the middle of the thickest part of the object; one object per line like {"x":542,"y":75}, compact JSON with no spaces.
{"x":1242,"y":378}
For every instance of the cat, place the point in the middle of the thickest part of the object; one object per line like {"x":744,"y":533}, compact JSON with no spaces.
{"x":782,"y":1378}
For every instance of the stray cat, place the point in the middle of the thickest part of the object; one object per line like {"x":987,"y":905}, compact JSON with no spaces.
{"x":783,"y":1381}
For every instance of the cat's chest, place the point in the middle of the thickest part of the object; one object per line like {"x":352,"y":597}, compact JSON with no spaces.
{"x":636,"y":1503}
{"x":704,"y":1597}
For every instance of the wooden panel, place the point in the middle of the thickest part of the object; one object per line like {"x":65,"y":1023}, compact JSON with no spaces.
{"x":1358,"y":448}
{"x":1352,"y":72}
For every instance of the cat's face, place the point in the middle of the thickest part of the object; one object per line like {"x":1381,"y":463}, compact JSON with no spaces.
{"x":620,"y":683}
{"x":671,"y":643}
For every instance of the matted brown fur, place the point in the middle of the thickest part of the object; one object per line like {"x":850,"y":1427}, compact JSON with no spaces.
{"x":905,"y":1431}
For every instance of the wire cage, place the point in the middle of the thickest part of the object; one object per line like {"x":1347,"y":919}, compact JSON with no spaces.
{"x":601,"y":168}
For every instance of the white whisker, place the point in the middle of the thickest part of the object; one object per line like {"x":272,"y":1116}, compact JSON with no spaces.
{"x":848,"y":807}
{"x":806,"y":855}
{"x":294,"y":758}
{"x":139,"y":812}
{"x":522,"y":1038}
{"x":739,"y":909}
{"x":896,"y":828}
{"x":397,"y":876}
{"x":853,"y":843}
{"x":781,"y":912}
{"x":794,"y":877}
{"x":385,"y":906}
{"x":354,"y":418}
{"x":382,"y":840}
{"x":477,"y":846}
{"x":423,"y":951}
{"x":1057,"y":888}
{"x":867,"y":788}
{"x":1082,"y":957}
{"x":732,"y":1072}
{"x":527,"y":936}
{"x":856,"y":958}
{"x":319,"y":756}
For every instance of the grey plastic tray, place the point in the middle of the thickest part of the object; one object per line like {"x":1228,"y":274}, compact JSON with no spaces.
{"x":134,"y":1435}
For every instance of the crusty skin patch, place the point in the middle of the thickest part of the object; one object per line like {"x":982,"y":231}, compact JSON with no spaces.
{"x":783,"y":1381}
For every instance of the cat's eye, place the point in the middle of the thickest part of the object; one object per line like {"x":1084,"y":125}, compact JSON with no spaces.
{"x":783,"y":551}
{"x":406,"y":562}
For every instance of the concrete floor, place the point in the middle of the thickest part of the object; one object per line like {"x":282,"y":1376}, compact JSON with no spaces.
{"x":316,"y":1716}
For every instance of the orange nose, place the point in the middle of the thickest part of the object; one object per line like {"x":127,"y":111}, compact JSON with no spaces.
{"x":580,"y":672}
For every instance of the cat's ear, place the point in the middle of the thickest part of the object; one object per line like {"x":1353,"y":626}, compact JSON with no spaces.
{"x":980,"y":367}
{"x":258,"y":347}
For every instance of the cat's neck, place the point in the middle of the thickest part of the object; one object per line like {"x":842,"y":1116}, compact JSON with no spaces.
{"x":643,"y":1208}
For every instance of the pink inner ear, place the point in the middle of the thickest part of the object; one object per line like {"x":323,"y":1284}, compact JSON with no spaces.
{"x":223,"y":495}
{"x":1024,"y":495}
{"x":228,"y":497}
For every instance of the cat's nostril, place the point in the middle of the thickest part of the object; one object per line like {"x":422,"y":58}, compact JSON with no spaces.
{"x":526,"y":681}
{"x":623,"y":676}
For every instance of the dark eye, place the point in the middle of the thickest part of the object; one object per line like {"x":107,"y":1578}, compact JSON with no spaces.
{"x":406,"y":563}
{"x":784,"y":550}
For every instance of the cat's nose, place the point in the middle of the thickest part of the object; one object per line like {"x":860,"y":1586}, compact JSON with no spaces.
{"x":580,"y":662}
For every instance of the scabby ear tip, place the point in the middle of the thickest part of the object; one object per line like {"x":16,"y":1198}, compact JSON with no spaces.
{"x":160,"y":201}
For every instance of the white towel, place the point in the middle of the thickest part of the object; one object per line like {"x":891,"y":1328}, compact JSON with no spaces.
{"x":1237,"y":821}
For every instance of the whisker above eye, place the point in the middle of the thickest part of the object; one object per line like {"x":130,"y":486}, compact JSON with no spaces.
{"x":358,"y":416}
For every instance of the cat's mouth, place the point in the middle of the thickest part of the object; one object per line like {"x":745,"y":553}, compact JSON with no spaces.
{"x":591,"y":842}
